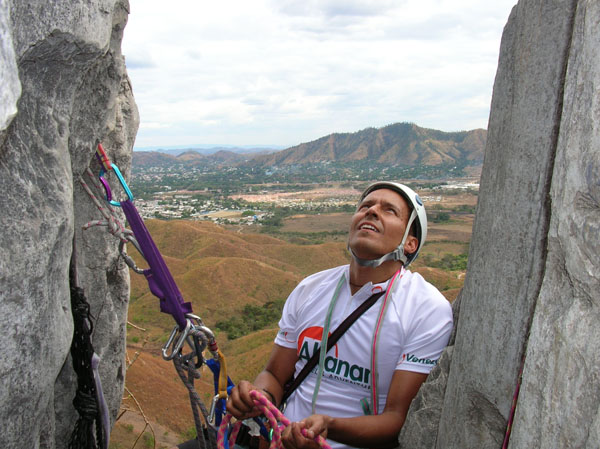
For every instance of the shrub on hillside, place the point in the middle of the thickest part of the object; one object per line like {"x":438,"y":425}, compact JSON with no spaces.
{"x":448,"y":262}
{"x":440,"y":217}
{"x":251,"y":319}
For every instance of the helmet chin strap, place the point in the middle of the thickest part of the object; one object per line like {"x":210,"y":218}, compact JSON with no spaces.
{"x":397,"y":254}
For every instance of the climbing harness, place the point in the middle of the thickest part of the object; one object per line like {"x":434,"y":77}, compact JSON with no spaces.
{"x":190,"y":337}
{"x":277,"y":421}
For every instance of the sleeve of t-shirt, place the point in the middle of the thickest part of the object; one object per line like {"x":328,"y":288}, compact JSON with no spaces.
{"x":427,"y":338}
{"x":287,"y":336}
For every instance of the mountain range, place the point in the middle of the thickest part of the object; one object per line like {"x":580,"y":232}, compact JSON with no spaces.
{"x":403,"y":144}
{"x":211,"y":149}
{"x":400,"y":143}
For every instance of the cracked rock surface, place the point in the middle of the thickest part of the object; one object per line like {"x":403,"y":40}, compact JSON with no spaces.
{"x":67,"y":90}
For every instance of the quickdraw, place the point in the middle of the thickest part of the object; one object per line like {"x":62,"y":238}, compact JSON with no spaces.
{"x":190,"y":332}
{"x":276,"y":419}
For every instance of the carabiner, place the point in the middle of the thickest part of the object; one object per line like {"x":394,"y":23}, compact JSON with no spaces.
{"x":117,"y":172}
{"x":127,"y":258}
{"x":210,"y":336}
{"x":179,"y":343}
{"x":107,"y":165}
{"x":211,"y":418}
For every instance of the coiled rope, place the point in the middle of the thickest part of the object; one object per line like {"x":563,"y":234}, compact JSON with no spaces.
{"x":188,"y":373}
{"x":277,"y":421}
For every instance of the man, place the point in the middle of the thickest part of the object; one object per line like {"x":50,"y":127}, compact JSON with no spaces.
{"x":370,"y":377}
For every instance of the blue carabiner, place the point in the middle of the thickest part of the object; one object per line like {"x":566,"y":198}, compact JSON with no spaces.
{"x":121,"y":181}
{"x":107,"y":165}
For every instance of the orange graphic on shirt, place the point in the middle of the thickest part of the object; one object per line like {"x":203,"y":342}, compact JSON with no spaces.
{"x":310,"y":340}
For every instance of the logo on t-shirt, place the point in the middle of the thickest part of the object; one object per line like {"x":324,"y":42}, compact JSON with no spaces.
{"x":284,"y":335}
{"x":415,"y":359}
{"x":335,"y":367}
{"x":311,"y":338}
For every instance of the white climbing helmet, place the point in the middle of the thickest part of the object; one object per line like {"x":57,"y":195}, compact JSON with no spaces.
{"x":418,"y":216}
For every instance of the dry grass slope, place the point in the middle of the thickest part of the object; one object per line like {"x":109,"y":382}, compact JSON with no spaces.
{"x":220,"y":272}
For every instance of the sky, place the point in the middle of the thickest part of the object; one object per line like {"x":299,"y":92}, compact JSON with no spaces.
{"x":283,"y":72}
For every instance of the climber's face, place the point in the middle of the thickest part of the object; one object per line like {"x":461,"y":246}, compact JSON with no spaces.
{"x":378,"y":225}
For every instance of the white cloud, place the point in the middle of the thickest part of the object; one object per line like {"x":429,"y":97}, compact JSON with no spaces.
{"x":290,"y":71}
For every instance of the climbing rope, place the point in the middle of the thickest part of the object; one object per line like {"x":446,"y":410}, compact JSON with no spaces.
{"x":188,"y":373}
{"x":114,"y":225}
{"x":91,"y":430}
{"x":513,"y":407}
{"x":276,"y":419}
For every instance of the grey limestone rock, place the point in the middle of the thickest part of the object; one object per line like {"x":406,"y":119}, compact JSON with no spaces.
{"x":75,"y":92}
{"x":532,"y":289}
{"x":507,"y":252}
{"x":559,"y":404}
{"x":422,"y":421}
{"x":420,"y":428}
{"x":10,"y":86}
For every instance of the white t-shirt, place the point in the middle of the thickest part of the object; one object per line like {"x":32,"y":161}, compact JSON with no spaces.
{"x":415,"y":330}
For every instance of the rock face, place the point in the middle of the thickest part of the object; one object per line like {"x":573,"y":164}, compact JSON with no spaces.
{"x":74,"y":92}
{"x":559,"y":405}
{"x":532,"y":289}
{"x":10,"y":88}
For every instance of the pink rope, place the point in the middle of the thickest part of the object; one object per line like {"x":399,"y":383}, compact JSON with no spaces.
{"x":273,"y":415}
{"x":374,"y":392}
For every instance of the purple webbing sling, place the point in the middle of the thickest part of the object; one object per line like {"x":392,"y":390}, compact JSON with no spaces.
{"x":161,"y":282}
